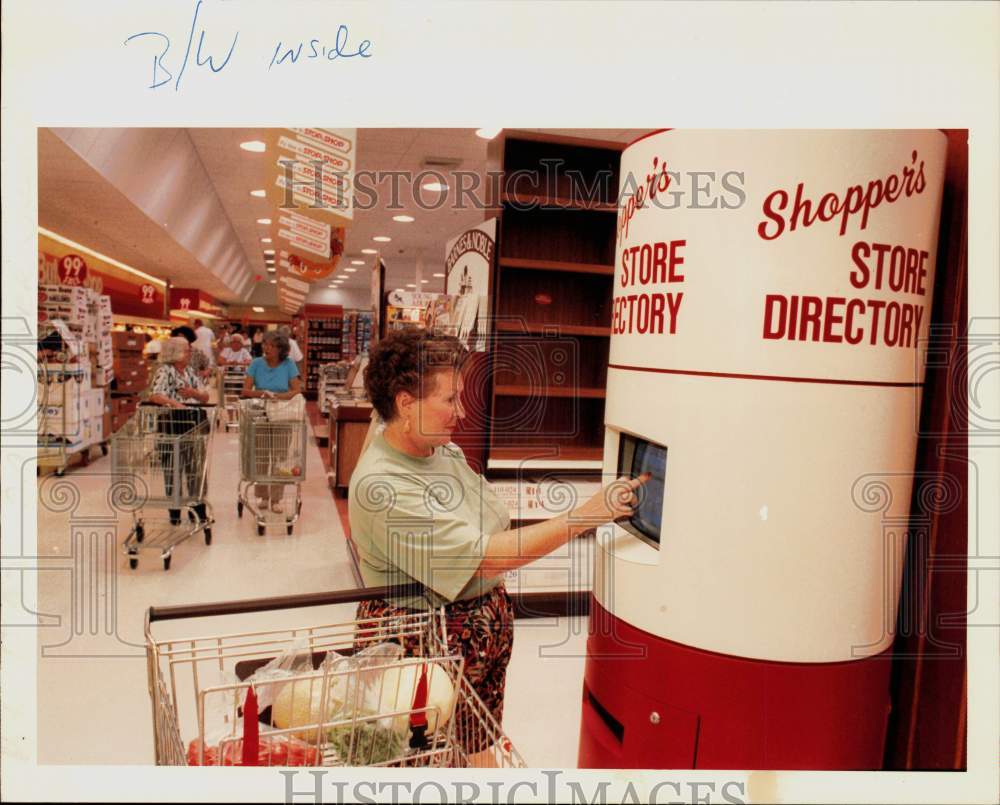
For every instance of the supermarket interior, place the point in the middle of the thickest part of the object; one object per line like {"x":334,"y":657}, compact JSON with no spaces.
{"x":194,"y":519}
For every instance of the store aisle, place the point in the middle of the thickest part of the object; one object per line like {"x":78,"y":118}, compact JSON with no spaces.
{"x":93,"y":704}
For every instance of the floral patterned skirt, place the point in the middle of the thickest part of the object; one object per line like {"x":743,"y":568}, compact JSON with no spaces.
{"x":481,"y":630}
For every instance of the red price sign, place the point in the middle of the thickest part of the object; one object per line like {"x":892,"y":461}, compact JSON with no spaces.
{"x":72,"y":270}
{"x":148,"y":294}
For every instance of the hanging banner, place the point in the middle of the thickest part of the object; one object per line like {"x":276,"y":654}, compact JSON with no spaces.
{"x":310,"y":182}
{"x":469,"y":261}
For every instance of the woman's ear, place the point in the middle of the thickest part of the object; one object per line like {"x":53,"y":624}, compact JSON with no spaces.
{"x":404,"y":403}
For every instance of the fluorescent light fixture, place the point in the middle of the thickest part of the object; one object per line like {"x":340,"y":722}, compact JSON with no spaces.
{"x":256,"y":146}
{"x":424,"y":282}
{"x":369,"y":251}
{"x":439,"y":275}
{"x":257,"y":309}
{"x":488,"y":134}
{"x":271,"y":269}
{"x":99,"y":256}
{"x":434,"y":186}
{"x":398,"y":290}
{"x":404,"y":219}
{"x":269,"y":251}
{"x":350,"y":270}
{"x":274,"y":282}
{"x":357,"y":262}
{"x":410,"y":285}
{"x":264,"y":221}
{"x":265,"y":240}
{"x":382,"y":238}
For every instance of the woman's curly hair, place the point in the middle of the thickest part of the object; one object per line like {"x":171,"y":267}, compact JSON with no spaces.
{"x":405,"y":360}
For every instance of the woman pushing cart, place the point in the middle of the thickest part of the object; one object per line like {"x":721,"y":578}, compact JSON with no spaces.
{"x":161,"y":458}
{"x":272,"y":436}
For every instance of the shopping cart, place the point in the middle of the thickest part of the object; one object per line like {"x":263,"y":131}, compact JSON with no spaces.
{"x":231,"y":386}
{"x":272,"y":458}
{"x":240,"y":699}
{"x":159,"y":460}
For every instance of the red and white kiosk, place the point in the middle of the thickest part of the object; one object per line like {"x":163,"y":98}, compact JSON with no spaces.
{"x":767,"y":358}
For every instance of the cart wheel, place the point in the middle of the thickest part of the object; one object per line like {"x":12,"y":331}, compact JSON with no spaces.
{"x":239,"y":508}
{"x":60,"y":472}
{"x":298,"y":506}
{"x":288,"y":528}
{"x":140,"y":532}
{"x":208,"y":536}
{"x":166,"y":562}
{"x":104,"y":448}
{"x":133,"y":561}
{"x":260,"y":531}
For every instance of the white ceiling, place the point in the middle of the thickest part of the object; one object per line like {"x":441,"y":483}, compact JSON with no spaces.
{"x":78,"y":202}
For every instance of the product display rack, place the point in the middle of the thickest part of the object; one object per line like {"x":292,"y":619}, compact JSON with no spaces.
{"x":552,"y":295}
{"x":320,"y":337}
{"x":357,"y":333}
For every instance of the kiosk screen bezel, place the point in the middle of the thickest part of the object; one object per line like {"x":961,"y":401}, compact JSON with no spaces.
{"x":627,"y":448}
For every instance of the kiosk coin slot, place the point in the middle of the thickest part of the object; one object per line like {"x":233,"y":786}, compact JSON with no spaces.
{"x":635,"y":457}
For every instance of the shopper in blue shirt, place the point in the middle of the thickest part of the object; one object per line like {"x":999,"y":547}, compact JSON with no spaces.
{"x":273,"y":377}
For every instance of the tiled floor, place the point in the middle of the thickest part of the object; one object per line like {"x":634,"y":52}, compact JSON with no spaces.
{"x":93,"y":704}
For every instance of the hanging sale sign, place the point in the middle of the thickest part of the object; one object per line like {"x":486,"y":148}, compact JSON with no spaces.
{"x":310,"y":182}
{"x":72,"y":270}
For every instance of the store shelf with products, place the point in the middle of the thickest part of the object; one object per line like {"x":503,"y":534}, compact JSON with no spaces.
{"x":552,"y":299}
{"x":357,"y":333}
{"x":74,"y":373}
{"x":320,"y":339}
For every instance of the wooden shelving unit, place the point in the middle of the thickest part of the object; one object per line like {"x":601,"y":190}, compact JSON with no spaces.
{"x":552,"y":295}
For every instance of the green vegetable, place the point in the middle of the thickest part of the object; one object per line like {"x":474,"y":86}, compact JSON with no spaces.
{"x":371,"y":744}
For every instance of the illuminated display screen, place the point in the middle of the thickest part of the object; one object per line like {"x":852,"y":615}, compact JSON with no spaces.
{"x":635,"y":457}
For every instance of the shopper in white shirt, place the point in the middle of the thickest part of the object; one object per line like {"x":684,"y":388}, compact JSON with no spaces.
{"x":203,"y":338}
{"x":235,"y":354}
{"x":293,"y":349}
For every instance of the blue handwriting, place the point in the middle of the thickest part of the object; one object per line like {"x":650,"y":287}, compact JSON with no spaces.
{"x":158,"y":58}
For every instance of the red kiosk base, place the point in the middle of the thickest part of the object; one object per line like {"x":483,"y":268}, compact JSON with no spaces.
{"x":650,"y":703}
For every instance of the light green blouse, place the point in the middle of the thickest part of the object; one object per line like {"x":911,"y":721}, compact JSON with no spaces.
{"x":423,"y":519}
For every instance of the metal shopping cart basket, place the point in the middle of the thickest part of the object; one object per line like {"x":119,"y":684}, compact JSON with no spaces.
{"x":272,"y":458}
{"x":230,"y":387}
{"x":333,"y":694}
{"x":160,"y":460}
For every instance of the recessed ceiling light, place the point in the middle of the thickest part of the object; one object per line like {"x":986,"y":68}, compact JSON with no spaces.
{"x":271,"y":269}
{"x":357,"y":262}
{"x":439,"y":275}
{"x":268,"y":251}
{"x":258,"y":193}
{"x":487,"y":134}
{"x":350,"y":270}
{"x":410,"y":285}
{"x":274,"y":282}
{"x":398,"y":290}
{"x":424,"y":282}
{"x":404,"y":219}
{"x":382,"y":238}
{"x":369,"y":251}
{"x":264,"y":221}
{"x":258,"y":309}
{"x":265,"y":240}
{"x":256,"y":146}
{"x":434,"y":186}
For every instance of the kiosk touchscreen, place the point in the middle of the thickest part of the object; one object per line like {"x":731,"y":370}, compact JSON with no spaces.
{"x":635,"y":457}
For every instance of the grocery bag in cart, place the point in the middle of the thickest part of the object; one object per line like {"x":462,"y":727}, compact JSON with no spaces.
{"x":308,"y":696}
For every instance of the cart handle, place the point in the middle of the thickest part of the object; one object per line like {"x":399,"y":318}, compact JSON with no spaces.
{"x":248,"y":605}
